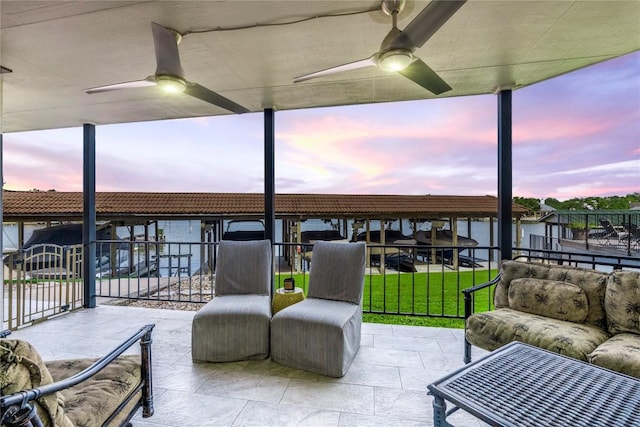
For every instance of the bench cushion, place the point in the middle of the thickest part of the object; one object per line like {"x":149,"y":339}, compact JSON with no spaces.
{"x":21,"y":368}
{"x":619,"y":353}
{"x":622,"y":302}
{"x":92,"y":402}
{"x":493,"y":329}
{"x":559,"y":300}
{"x":591,"y":281}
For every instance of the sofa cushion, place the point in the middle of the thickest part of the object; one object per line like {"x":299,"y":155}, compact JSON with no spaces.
{"x":92,"y":402}
{"x":559,"y":300}
{"x":591,"y":281}
{"x":622,"y":302}
{"x":493,"y":329}
{"x":21,"y":368}
{"x":619,"y":353}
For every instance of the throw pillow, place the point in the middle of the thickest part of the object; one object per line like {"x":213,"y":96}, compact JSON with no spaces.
{"x":550,"y":298}
{"x":21,"y":368}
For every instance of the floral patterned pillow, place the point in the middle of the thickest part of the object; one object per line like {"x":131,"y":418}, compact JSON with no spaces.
{"x":21,"y":368}
{"x":622,"y":302}
{"x":549,"y":298}
{"x":593,"y":282}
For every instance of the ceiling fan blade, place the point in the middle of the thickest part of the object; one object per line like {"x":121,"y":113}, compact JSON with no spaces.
{"x":428,"y":21}
{"x":421,"y":74}
{"x":211,"y":97}
{"x":340,"y":68}
{"x":165,"y":41}
{"x":5,"y":70}
{"x":149,"y":81}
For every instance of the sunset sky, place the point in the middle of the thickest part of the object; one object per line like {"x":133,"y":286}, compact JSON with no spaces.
{"x":575,"y":135}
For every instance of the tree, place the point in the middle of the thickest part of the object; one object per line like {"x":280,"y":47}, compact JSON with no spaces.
{"x":528,"y":202}
{"x":593,"y":203}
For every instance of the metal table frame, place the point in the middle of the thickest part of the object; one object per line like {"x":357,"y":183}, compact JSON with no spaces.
{"x":522,"y":385}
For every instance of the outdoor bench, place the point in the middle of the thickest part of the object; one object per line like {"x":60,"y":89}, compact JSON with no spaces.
{"x":585,"y":314}
{"x":76,"y":392}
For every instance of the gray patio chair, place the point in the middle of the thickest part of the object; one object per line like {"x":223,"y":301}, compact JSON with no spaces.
{"x":322,"y":333}
{"x":234,"y":325}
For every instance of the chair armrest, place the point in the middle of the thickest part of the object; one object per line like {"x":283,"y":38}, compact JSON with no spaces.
{"x":143,"y":335}
{"x":468,"y":295}
{"x":468,"y":311}
{"x":472,"y":289}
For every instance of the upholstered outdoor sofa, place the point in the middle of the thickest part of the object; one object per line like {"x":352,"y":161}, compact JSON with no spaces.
{"x":73,"y":393}
{"x":582,"y":313}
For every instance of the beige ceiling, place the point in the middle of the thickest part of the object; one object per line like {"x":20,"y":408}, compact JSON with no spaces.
{"x":57,"y":48}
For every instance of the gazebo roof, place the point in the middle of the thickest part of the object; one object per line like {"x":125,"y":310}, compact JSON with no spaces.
{"x":136,"y":207}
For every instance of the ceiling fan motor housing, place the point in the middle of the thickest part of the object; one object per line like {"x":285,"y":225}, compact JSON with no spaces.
{"x":389,"y":7}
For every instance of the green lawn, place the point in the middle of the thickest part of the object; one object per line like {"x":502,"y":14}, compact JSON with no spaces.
{"x":427,"y":299}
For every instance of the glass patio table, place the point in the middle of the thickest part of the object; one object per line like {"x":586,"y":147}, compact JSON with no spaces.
{"x":522,"y":385}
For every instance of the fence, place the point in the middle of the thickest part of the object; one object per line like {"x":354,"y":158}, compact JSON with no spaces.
{"x":43,"y":281}
{"x":400,"y":280}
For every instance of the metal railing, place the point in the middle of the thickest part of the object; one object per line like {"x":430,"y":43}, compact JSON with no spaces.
{"x":400,"y":279}
{"x":598,"y":231}
{"x":41,"y":282}
{"x":483,"y":299}
{"x":408,"y":281}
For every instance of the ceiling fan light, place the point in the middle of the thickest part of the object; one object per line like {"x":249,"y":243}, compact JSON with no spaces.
{"x":171,"y":84}
{"x":395,"y":60}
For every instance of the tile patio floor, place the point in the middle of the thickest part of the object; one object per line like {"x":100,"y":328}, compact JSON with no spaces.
{"x":385,"y":386}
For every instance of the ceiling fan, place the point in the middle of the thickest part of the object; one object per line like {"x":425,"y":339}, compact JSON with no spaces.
{"x":169,"y":74}
{"x":396,"y":50}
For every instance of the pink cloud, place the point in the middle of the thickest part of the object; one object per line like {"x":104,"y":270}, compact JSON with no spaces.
{"x":572,"y":137}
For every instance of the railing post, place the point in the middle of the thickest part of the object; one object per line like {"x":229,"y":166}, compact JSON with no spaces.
{"x":147,"y":389}
{"x":468,"y":307}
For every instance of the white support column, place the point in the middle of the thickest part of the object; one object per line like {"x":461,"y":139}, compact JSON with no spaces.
{"x":454,"y":241}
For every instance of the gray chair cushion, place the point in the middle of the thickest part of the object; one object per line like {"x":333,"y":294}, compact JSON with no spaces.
{"x":317,"y":335}
{"x":244,"y":267}
{"x":337,"y":271}
{"x":230,"y":328}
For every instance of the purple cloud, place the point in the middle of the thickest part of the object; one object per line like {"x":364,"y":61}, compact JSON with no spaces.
{"x":574,"y":135}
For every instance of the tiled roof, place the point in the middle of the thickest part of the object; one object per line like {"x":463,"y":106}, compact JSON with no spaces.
{"x":27,"y":205}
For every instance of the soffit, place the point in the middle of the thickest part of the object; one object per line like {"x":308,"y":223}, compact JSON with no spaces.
{"x":56,"y":49}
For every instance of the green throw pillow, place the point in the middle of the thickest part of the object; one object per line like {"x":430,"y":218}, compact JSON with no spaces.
{"x":550,"y":298}
{"x":21,"y":368}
